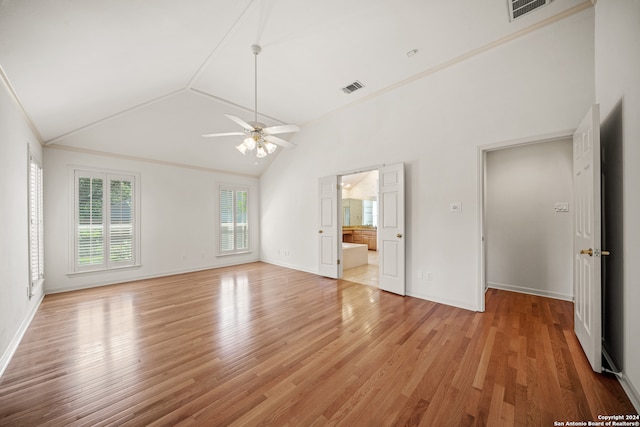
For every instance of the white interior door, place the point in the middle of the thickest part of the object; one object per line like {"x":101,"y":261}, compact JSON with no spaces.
{"x":391,"y":229}
{"x":328,"y":231}
{"x":586,"y":240}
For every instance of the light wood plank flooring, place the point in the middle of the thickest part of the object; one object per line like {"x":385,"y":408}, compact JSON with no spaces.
{"x":263,"y":345}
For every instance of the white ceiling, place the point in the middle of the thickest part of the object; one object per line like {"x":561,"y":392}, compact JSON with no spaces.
{"x":146,"y":78}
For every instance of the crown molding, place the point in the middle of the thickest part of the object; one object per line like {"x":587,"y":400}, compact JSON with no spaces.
{"x":18,"y":103}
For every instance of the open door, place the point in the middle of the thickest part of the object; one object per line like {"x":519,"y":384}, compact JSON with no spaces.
{"x":391,"y":229}
{"x":586,"y":239}
{"x":328,"y":229}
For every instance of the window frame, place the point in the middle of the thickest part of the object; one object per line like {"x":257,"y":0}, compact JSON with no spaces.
{"x":236,"y":189}
{"x":35,"y":202}
{"x":107,"y":176}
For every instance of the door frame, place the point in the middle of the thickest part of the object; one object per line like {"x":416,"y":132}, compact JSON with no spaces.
{"x":339,"y":204}
{"x":481,"y":288}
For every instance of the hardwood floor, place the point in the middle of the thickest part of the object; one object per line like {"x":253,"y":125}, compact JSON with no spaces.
{"x":264,"y":345}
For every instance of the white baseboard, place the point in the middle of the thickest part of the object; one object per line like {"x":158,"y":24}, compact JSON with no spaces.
{"x":13,"y":345}
{"x":291,"y":266}
{"x":138,"y":277}
{"x":530,"y":291}
{"x":631,"y":391}
{"x":445,"y":301}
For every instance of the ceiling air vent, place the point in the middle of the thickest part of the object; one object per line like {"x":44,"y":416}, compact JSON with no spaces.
{"x":518,"y":8}
{"x":352,"y":87}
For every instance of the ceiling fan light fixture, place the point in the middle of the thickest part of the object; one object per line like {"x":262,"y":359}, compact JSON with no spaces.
{"x":249,"y":143}
{"x":270,"y":146}
{"x":256,"y":134}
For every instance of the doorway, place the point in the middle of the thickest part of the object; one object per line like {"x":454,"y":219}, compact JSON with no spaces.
{"x":389,"y":237}
{"x":360,"y":257}
{"x":526,"y":261}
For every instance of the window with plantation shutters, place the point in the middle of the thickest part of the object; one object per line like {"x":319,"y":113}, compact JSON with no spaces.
{"x":234,"y":220}
{"x":105,"y":234}
{"x":36,"y":229}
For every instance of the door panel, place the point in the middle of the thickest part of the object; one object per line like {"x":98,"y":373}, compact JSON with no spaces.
{"x":391,"y":229}
{"x":328,"y":228}
{"x":587,"y":237}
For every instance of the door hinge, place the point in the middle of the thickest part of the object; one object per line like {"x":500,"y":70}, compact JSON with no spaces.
{"x":338,"y":186}
{"x":338,"y":262}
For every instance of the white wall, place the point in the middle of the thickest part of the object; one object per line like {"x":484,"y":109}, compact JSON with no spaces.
{"x":16,"y":309}
{"x":617,"y":65}
{"x":178,"y":219}
{"x":537,"y":84}
{"x":529,"y":245}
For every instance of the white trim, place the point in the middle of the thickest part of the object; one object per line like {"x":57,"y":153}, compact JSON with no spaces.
{"x":530,"y":291}
{"x":112,"y":116}
{"x":33,"y":158}
{"x":293,"y":267}
{"x":446,"y":301}
{"x":481,"y":154}
{"x":15,"y":342}
{"x":361,"y":170}
{"x":103,"y":270}
{"x":233,"y":253}
{"x":235,"y":188}
{"x":14,"y":96}
{"x":75,"y":171}
{"x":460,"y":58}
{"x":144,"y":160}
{"x":146,"y":277}
{"x":632,"y":392}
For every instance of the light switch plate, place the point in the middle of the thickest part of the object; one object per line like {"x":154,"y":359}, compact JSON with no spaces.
{"x":562,"y":207}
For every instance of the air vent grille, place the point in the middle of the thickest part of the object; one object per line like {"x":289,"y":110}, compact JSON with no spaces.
{"x":352,"y":87}
{"x":518,"y":8}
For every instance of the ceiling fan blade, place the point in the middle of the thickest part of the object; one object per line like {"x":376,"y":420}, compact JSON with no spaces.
{"x":223,"y":134}
{"x":241,"y":122}
{"x":272,"y":130}
{"x":279,"y":141}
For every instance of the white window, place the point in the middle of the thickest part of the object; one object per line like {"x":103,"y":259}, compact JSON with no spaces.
{"x":105,"y":234}
{"x":36,"y":229}
{"x":370,"y":212}
{"x":234,"y":220}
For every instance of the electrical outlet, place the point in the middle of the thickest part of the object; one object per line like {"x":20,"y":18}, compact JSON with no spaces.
{"x":455,"y":207}
{"x":420,"y":274}
{"x":429,"y":276}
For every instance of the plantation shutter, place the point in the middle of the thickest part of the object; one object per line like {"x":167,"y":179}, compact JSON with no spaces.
{"x":90,"y":223}
{"x":105,"y":220}
{"x":36,"y":229}
{"x":121,"y":221}
{"x":234,"y":220}
{"x":242,"y":220}
{"x":226,"y":220}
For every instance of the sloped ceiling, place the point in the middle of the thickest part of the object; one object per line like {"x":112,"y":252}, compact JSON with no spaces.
{"x":146,"y":78}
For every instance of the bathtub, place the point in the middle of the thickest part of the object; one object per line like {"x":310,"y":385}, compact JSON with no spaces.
{"x":354,"y":255}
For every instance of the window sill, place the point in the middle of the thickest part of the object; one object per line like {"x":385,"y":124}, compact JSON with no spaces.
{"x":233,"y":253}
{"x":103,"y":270}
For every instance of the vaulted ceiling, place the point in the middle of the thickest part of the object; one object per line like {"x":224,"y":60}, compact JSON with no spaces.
{"x":145,"y":78}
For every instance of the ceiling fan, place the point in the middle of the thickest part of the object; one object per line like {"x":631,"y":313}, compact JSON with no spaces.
{"x":258,"y":135}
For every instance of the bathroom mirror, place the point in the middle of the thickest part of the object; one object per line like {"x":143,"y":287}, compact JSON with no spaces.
{"x":357,"y":212}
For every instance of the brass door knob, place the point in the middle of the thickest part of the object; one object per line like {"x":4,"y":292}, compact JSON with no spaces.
{"x":399,"y":236}
{"x":587,"y":252}
{"x":320,"y":231}
{"x":605,"y":253}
